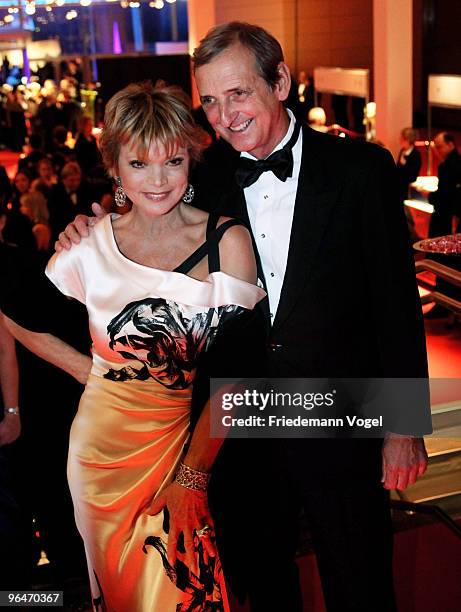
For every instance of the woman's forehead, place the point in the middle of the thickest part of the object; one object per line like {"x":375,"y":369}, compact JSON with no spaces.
{"x":153,"y":151}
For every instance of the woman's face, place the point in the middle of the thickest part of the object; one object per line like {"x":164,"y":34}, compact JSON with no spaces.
{"x":21,"y":182}
{"x":156,"y":182}
{"x":45,"y":170}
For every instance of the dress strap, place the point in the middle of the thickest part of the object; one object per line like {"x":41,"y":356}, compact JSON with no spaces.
{"x":193,"y":259}
{"x":214,"y":264}
{"x":213,"y":219}
{"x":210,"y":247}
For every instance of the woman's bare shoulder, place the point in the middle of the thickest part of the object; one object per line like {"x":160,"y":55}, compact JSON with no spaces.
{"x":236,"y":252}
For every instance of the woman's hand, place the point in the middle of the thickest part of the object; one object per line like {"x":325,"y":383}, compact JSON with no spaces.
{"x":10,"y":428}
{"x":189,"y":512}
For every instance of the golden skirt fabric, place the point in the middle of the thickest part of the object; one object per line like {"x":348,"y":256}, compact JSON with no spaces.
{"x":125,"y":444}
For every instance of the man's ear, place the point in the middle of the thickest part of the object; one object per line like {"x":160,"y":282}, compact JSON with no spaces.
{"x":282,"y":87}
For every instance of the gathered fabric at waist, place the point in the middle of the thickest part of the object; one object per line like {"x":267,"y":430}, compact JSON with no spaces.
{"x":116,"y":419}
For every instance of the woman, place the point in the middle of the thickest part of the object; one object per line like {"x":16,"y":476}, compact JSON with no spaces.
{"x":11,"y":527}
{"x":33,"y":205}
{"x":159,"y":283}
{"x":46,"y":178}
{"x":21,"y":185}
{"x":18,"y":229}
{"x":10,"y":424}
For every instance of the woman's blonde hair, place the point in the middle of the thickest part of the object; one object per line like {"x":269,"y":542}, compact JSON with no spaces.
{"x":144,"y":114}
{"x":36,"y":203}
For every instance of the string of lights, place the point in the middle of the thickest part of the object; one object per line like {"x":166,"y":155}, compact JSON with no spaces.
{"x":9,"y":10}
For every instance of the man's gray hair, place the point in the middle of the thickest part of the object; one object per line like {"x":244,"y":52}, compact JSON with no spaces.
{"x":266,"y":50}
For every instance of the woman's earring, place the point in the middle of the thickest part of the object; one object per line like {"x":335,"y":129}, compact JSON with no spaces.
{"x":120,"y":195}
{"x":188,"y":194}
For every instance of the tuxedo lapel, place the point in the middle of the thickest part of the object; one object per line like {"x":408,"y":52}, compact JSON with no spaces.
{"x":315,"y":201}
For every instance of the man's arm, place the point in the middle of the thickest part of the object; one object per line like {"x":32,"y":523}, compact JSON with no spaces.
{"x":396,"y":306}
{"x":79,"y":228}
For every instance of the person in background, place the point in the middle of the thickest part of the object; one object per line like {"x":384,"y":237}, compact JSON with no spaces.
{"x":70,"y":196}
{"x":15,"y":119}
{"x":448,"y":195}
{"x":21,"y":185}
{"x":408,"y":161}
{"x":47,"y":178}
{"x":10,"y":422}
{"x":17,"y":227}
{"x":61,"y":153}
{"x":13,"y":527}
{"x":70,"y":108}
{"x":317,"y":119}
{"x":86,"y":148}
{"x":5,"y":187}
{"x":408,"y":167}
{"x":36,"y":472}
{"x":30,"y":162}
{"x":447,"y":202}
{"x":305,"y":95}
{"x":10,"y":425}
{"x":34,"y":206}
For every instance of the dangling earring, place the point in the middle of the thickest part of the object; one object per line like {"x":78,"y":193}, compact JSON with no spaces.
{"x":120,"y":195}
{"x":188,"y":194}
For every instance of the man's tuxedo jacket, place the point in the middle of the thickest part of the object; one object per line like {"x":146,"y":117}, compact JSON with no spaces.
{"x":408,"y":172}
{"x":447,"y":199}
{"x":349,"y":304}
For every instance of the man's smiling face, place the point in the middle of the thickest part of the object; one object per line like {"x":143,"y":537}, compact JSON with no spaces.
{"x":240,"y":105}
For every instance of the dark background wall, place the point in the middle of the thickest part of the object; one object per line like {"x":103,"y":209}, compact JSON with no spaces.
{"x":437,"y":50}
{"x":114,"y":73}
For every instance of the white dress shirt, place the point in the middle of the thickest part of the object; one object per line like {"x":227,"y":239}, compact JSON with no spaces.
{"x":270,"y":204}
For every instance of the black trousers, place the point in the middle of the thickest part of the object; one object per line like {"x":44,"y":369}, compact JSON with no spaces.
{"x":256,"y":501}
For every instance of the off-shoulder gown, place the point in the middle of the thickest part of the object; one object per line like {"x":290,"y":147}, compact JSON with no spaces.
{"x":148,"y":328}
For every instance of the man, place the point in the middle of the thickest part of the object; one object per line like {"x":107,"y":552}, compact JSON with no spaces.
{"x":446,"y":200}
{"x":333,"y":250}
{"x":447,"y":206}
{"x":69,"y":197}
{"x":337,"y":214}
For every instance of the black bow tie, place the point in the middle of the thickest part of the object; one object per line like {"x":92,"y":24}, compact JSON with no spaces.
{"x":280,"y":163}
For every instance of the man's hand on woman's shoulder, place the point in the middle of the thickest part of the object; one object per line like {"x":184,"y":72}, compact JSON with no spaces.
{"x":79,"y":228}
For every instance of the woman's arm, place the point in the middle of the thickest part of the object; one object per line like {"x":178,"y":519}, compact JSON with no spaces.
{"x":188,"y":508}
{"x":237,"y":259}
{"x":10,"y":427}
{"x":54,"y":350}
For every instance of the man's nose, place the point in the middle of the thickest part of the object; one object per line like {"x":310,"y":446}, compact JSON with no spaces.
{"x":226,"y":114}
